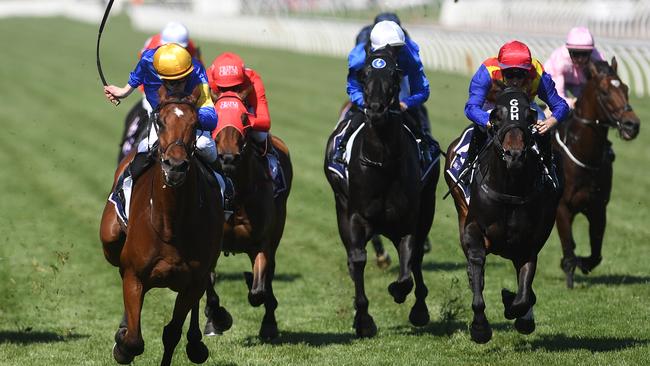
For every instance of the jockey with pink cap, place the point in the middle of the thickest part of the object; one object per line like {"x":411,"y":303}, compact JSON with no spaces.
{"x":567,"y":64}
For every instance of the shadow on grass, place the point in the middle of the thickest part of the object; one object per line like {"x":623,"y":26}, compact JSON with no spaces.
{"x":444,"y":266}
{"x":562,"y":343}
{"x":30,"y":337}
{"x":308,"y":338}
{"x":445,"y":328}
{"x":612,"y":279}
{"x":239,"y":276}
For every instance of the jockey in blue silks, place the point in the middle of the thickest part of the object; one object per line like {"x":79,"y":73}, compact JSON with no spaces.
{"x":414,"y":89}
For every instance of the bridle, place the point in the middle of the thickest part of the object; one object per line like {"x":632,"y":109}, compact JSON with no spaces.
{"x":612,"y":119}
{"x":190,"y":148}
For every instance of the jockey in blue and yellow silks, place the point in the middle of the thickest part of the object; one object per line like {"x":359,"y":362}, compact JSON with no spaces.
{"x":514,"y":67}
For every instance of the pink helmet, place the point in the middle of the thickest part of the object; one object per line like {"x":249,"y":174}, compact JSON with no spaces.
{"x":579,"y":38}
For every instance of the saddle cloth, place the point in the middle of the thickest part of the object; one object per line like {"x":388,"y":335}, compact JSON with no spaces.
{"x":342,"y":169}
{"x":454,"y":171}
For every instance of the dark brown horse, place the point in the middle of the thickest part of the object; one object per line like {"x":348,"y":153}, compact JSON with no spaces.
{"x":587,"y":161}
{"x":173,"y":235}
{"x":511,"y":211}
{"x":259,"y":212}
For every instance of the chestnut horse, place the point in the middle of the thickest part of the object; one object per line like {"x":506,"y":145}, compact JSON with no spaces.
{"x":173,"y":234}
{"x":587,"y":161}
{"x":385,"y":193}
{"x":510,"y":213}
{"x":259,"y":213}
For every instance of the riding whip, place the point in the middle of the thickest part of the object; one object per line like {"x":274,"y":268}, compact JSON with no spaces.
{"x":99,"y":37}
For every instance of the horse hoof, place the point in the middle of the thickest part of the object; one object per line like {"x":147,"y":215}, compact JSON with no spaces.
{"x":365,"y":326}
{"x":480,"y":333}
{"x":568,"y":266}
{"x":587,"y":264}
{"x":123,"y":358}
{"x":525,"y":326}
{"x":256,"y":298}
{"x":268,"y":332}
{"x":426,"y":246}
{"x":383,"y":261}
{"x":219,"y":322}
{"x":399,"y":290}
{"x":419,"y":315}
{"x":197,"y":352}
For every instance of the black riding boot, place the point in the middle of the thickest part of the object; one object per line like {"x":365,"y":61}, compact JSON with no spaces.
{"x":418,"y":123}
{"x":356,"y":119}
{"x":141,"y":161}
{"x":546,"y":159}
{"x":475,"y":145}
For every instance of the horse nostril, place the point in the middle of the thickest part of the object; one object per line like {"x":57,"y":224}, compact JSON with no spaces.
{"x":375,"y":106}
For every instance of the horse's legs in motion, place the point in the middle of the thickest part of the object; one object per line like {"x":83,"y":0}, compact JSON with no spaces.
{"x":597,"y":217}
{"x":383,"y":259}
{"x":269,"y":328}
{"x":404,"y":284}
{"x":111,"y":235}
{"x":218,"y":319}
{"x":564,"y":221}
{"x":355,"y":235}
{"x":128,"y":340}
{"x":185,"y":301}
{"x":419,"y":315}
{"x":480,"y":330}
{"x":520,"y":305}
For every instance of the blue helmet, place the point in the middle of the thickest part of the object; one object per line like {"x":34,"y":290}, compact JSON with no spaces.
{"x":364,"y":35}
{"x":387,"y":16}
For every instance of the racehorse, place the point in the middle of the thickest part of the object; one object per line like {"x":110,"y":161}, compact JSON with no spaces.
{"x":259,"y":212}
{"x":135,"y":129}
{"x":587,"y":161}
{"x":384,"y":193}
{"x":510,"y":213}
{"x":173,"y":234}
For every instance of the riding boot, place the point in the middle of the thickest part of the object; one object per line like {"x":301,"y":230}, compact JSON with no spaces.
{"x":141,"y":161}
{"x":416,"y":123}
{"x":228,"y":189}
{"x":475,"y":145}
{"x":356,"y":118}
{"x":546,"y":159}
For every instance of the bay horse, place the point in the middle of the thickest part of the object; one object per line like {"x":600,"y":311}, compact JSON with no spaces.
{"x":259,"y":213}
{"x":587,"y":161}
{"x":384,"y":193}
{"x":510,"y":213}
{"x":173,"y":235}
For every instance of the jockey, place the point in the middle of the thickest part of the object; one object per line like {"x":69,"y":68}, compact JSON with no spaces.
{"x":228,"y":73}
{"x":170,"y":66}
{"x":513,"y":67}
{"x":567,"y":65}
{"x":414,"y":89}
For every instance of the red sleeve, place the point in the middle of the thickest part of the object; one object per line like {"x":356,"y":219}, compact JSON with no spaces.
{"x":260,"y":119}
{"x":211,"y":82}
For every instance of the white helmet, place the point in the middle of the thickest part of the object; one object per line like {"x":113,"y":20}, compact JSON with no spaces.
{"x":175,"y":33}
{"x":386,"y":33}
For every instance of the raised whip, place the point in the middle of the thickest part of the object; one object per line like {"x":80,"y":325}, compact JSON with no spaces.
{"x":99,"y":36}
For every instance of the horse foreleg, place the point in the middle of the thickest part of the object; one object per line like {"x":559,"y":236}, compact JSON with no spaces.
{"x":419,"y":315}
{"x":111,"y":235}
{"x":355,"y":236}
{"x":518,"y":305}
{"x":185,"y":301}
{"x":257,"y":289}
{"x":128,"y":340}
{"x":196,"y":350}
{"x":218,"y":319}
{"x":597,"y":217}
{"x":404,"y":284}
{"x":269,"y":327}
{"x":564,"y":221}
{"x":480,"y":329}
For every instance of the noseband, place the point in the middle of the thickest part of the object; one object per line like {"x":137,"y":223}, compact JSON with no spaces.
{"x":189,"y":149}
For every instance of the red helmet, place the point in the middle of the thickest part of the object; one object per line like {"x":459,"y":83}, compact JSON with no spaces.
{"x":228,"y":70}
{"x":515,"y":54}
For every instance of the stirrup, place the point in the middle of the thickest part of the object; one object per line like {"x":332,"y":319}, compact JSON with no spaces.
{"x":339,"y":156}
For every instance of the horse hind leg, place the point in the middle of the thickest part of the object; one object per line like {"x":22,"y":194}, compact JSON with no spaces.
{"x":404,"y":284}
{"x":383,"y":259}
{"x":218,"y":319}
{"x":597,"y":218}
{"x":564,"y":221}
{"x":269,"y":327}
{"x":419,"y":315}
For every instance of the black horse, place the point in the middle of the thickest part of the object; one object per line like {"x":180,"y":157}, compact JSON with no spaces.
{"x":384,"y":193}
{"x":511,"y":211}
{"x":136,"y":129}
{"x":587,"y":161}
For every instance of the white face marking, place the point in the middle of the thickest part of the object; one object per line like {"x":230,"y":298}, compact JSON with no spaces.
{"x":616,"y":83}
{"x":178,"y":112}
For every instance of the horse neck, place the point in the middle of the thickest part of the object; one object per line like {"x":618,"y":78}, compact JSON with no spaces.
{"x":590,"y":137}
{"x":378,"y":144}
{"x":249,"y":172}
{"x":516,"y":182}
{"x":170,"y":206}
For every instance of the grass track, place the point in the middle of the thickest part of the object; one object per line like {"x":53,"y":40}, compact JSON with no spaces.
{"x":60,"y":302}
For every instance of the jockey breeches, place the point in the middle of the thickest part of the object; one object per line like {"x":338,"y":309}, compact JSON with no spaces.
{"x":205,"y":145}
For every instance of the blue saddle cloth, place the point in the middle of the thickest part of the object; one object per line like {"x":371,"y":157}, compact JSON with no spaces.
{"x":342,"y":169}
{"x":120,"y":197}
{"x":455,"y":168}
{"x":277,"y":173}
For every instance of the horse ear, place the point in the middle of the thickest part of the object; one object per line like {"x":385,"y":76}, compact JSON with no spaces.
{"x":162,"y":93}
{"x":498,"y":114}
{"x":593,"y":72}
{"x":614,"y":64}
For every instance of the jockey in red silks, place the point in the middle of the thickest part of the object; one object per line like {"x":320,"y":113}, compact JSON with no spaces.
{"x":228,"y":73}
{"x":567,"y":64}
{"x":513,"y":67}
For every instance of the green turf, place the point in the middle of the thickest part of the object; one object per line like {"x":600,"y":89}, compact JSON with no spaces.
{"x":60,"y":302}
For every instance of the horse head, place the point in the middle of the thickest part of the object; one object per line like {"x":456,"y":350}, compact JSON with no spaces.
{"x":511,"y":119}
{"x":381,"y":81}
{"x":611,"y":99}
{"x":176,"y":121}
{"x":231,"y":134}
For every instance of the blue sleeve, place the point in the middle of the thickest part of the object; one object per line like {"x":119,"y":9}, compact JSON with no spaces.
{"x":418,"y":82}
{"x":479,"y":87}
{"x":356,"y":59}
{"x":547,"y":92}
{"x":207,"y":114}
{"x":207,"y":118}
{"x":136,"y":77}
